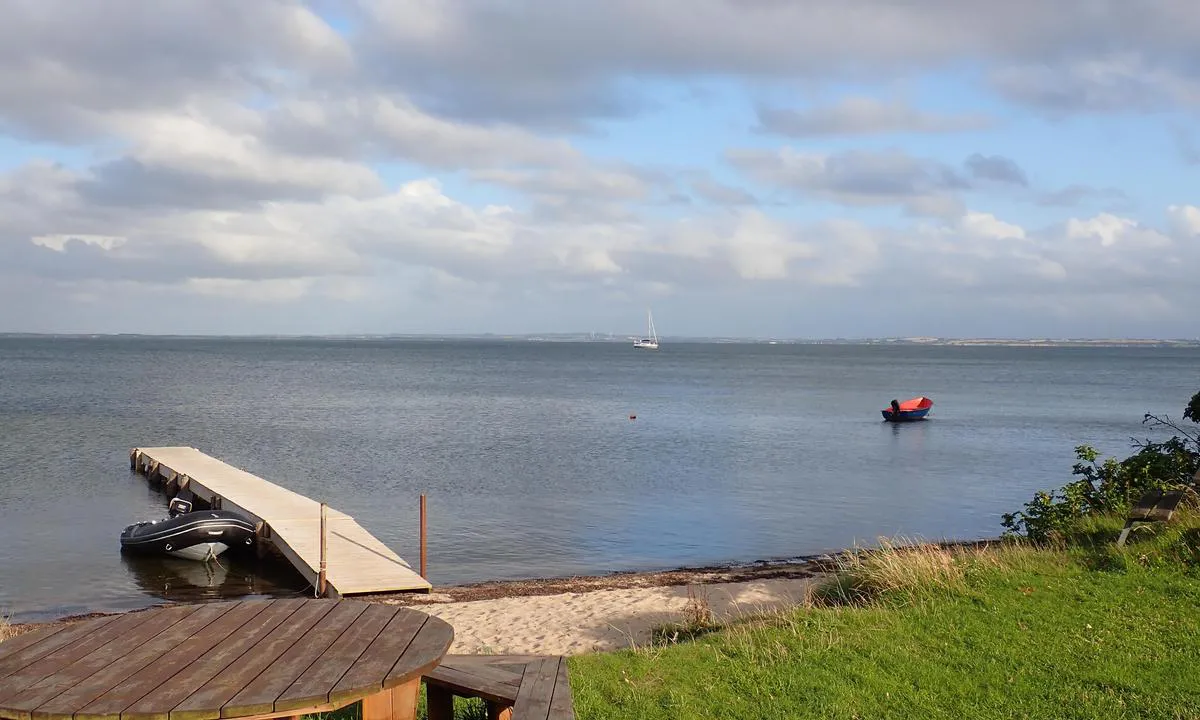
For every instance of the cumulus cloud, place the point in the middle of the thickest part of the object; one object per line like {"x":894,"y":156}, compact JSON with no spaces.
{"x":922,"y":186}
{"x":391,"y":127}
{"x":288,"y":243}
{"x":1121,"y":82}
{"x":252,"y":155}
{"x":856,"y":177}
{"x":192,"y":161}
{"x":1185,"y":220}
{"x":1100,"y":258}
{"x":1108,"y":230}
{"x":863,"y":116}
{"x":68,"y":63}
{"x":546,"y":62}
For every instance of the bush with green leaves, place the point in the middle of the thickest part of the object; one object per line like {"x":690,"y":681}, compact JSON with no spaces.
{"x":1112,"y":486}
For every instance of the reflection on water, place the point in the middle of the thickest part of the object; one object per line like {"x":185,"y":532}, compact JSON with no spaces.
{"x":228,"y":577}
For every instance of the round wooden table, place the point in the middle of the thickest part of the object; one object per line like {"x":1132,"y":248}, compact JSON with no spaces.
{"x":250,"y":659}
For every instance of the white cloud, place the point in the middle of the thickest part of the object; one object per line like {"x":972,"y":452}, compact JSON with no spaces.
{"x":988,"y":226}
{"x":58,"y":243}
{"x":1185,"y":220}
{"x":1108,"y":83}
{"x":192,"y":144}
{"x":762,"y":249}
{"x":1104,"y":255}
{"x":417,"y":241}
{"x":344,"y":121}
{"x":857,"y":177}
{"x":1109,"y":230}
{"x":1105,"y":228}
{"x":251,"y":153}
{"x":544,"y":61}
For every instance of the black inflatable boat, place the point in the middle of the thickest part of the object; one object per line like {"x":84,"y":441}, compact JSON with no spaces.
{"x":200,"y":535}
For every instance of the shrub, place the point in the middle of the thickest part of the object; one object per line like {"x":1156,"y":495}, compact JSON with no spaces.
{"x":1112,"y":486}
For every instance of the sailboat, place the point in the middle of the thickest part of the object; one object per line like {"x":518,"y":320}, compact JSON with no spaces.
{"x":651,"y":341}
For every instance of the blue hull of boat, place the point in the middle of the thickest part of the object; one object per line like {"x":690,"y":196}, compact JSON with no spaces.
{"x":906,"y":415}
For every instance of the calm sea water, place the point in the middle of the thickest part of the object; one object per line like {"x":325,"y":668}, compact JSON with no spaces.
{"x":527,"y":453}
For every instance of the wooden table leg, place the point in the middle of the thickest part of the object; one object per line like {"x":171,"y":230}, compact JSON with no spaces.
{"x":496,"y":711}
{"x":439,"y":703}
{"x":399,"y":703}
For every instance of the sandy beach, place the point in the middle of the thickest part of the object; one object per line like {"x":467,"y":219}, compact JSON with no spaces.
{"x":579,"y":622}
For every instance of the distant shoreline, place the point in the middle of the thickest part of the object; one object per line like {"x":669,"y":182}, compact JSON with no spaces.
{"x":666,"y":339}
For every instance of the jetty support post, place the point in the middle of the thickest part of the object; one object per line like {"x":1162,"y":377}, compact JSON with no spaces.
{"x":423,"y":537}
{"x":321,"y":572}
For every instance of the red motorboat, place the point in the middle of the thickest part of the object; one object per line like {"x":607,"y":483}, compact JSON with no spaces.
{"x":915,"y":409}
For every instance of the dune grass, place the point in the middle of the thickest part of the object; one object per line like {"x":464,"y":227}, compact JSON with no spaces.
{"x":1012,"y":631}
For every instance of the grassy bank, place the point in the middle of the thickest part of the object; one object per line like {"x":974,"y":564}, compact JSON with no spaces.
{"x":1078,"y":630}
{"x":1085,"y":632}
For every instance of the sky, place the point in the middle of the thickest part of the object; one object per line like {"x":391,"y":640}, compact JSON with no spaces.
{"x":753,"y":168}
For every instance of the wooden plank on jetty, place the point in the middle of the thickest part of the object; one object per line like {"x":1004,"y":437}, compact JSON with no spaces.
{"x":357,"y":562}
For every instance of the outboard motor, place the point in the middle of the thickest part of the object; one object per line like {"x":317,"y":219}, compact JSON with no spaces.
{"x":895,"y":408}
{"x":178,"y":506}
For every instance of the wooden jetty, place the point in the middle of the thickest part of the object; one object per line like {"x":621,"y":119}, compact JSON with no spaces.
{"x":356,"y":562}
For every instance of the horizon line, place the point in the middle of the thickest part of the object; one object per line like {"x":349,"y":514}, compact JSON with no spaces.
{"x":608,"y":337}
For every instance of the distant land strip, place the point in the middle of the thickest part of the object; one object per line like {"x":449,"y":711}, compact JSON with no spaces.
{"x":666,"y":339}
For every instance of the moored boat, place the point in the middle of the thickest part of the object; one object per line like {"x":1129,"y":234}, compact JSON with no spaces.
{"x":200,"y":535}
{"x":917,"y":408}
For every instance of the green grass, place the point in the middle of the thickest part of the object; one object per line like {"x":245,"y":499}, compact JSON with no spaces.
{"x":1155,"y":545}
{"x":1009,"y":633}
{"x":1082,"y":630}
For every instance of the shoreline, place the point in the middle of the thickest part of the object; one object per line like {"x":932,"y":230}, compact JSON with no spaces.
{"x":575,"y":615}
{"x":758,"y":570}
{"x":792,"y":573}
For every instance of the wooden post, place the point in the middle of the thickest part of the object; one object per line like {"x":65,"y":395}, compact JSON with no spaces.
{"x":321,"y":575}
{"x":423,"y":537}
{"x":496,"y":711}
{"x":399,"y":703}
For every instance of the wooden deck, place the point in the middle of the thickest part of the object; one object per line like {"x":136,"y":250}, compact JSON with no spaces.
{"x":254,"y":659}
{"x":356,"y":562}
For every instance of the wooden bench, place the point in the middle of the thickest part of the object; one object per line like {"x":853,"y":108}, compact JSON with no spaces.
{"x":515,"y":687}
{"x":1154,"y":506}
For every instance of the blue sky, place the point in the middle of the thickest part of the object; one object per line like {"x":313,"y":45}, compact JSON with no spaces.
{"x":744,"y":168}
